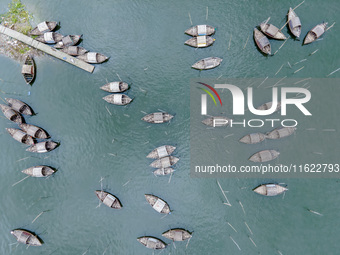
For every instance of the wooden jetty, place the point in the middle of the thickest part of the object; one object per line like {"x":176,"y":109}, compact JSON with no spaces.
{"x":47,"y":49}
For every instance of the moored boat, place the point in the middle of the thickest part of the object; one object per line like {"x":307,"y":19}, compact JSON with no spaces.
{"x":268,"y":106}
{"x":158,"y":204}
{"x":207,"y":63}
{"x":28,"y":70}
{"x":20,"y":136}
{"x":157,"y":117}
{"x":216,"y":121}
{"x":74,"y":50}
{"x":164,"y":162}
{"x":108,"y":199}
{"x":264,"y":156}
{"x":294,"y":23}
{"x":43,"y":27}
{"x":200,"y":41}
{"x":43,"y":147}
{"x":115,"y":86}
{"x":200,"y":30}
{"x":269,"y":189}
{"x":253,"y":138}
{"x":272,"y":31}
{"x":315,"y":33}
{"x":19,"y":106}
{"x":11,"y":114}
{"x":39,"y":171}
{"x":262,"y":42}
{"x":177,"y":234}
{"x":151,"y":242}
{"x":163,"y":171}
{"x":161,"y":151}
{"x":26,"y":237}
{"x":93,"y":57}
{"x":68,"y":40}
{"x":50,"y":37}
{"x":280,"y":132}
{"x":34,"y":131}
{"x":117,"y":99}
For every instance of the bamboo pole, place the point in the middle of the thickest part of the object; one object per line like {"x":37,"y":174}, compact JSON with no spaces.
{"x":190,"y":18}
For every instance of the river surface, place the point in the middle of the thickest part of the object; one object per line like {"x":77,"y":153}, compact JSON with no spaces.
{"x":98,"y":141}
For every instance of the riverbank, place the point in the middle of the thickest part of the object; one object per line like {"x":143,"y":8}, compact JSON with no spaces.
{"x":17,"y":18}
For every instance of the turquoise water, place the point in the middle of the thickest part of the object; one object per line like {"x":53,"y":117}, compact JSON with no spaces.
{"x":145,"y":42}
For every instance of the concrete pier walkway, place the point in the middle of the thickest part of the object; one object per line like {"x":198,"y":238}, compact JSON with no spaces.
{"x":47,"y":49}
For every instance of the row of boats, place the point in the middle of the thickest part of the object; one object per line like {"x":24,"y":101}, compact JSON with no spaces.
{"x":294,"y":25}
{"x":116,"y":88}
{"x":164,"y":161}
{"x":27,"y":134}
{"x":200,"y":39}
{"x":43,"y":32}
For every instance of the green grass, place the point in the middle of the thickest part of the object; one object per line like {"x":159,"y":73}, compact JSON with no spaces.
{"x":17,"y":15}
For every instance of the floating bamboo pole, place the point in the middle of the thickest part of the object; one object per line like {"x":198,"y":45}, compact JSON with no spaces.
{"x":190,"y":18}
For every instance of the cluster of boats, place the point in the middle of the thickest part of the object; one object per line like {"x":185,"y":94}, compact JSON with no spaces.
{"x":27,"y":134}
{"x":159,"y":205}
{"x":201,"y":38}
{"x":43,"y":32}
{"x":294,"y":25}
{"x":164,"y":161}
{"x":266,"y":155}
{"x":116,"y":88}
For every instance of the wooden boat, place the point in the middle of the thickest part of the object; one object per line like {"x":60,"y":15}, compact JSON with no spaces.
{"x":270,"y":189}
{"x":216,"y":121}
{"x":164,"y":162}
{"x":253,"y":138}
{"x":177,"y":234}
{"x":20,"y":136}
{"x":39,"y":171}
{"x":115,"y":86}
{"x":68,"y":40}
{"x":294,"y":23}
{"x":43,"y":147}
{"x":34,"y":131}
{"x":43,"y":27}
{"x":118,"y":99}
{"x":163,"y":171}
{"x":280,"y":132}
{"x":26,"y":237}
{"x":200,"y":41}
{"x":262,"y":42}
{"x":151,"y":242}
{"x":108,"y":199}
{"x":207,"y":63}
{"x":158,"y":204}
{"x":268,"y":105}
{"x":161,"y":151}
{"x":50,"y":37}
{"x":11,"y":114}
{"x":200,"y":30}
{"x":74,"y":50}
{"x":264,"y":156}
{"x":272,"y":31}
{"x":19,"y":106}
{"x":28,"y":70}
{"x":315,"y":33}
{"x":157,"y":117}
{"x":93,"y":57}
